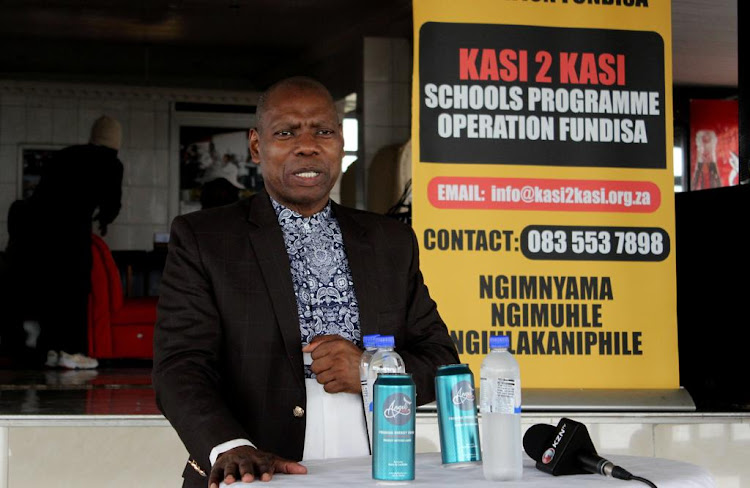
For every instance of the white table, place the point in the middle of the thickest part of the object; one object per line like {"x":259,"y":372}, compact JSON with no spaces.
{"x":430,"y":473}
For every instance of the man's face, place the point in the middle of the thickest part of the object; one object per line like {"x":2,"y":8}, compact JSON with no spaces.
{"x":299,"y":145}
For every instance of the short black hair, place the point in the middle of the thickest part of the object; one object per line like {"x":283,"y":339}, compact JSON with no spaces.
{"x":303,"y":82}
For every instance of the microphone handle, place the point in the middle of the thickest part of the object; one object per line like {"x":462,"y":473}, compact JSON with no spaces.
{"x":596,"y":464}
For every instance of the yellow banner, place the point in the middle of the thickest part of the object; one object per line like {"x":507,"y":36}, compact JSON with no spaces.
{"x":543,"y":189}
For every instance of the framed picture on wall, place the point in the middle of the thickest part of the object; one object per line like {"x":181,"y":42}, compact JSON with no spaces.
{"x":206,"y":144}
{"x":207,"y":153}
{"x":31,"y":161}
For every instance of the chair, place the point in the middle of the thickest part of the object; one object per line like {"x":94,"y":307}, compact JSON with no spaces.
{"x":118,"y":327}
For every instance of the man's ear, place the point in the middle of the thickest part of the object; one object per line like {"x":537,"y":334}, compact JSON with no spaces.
{"x":343,"y":142}
{"x":252,"y":144}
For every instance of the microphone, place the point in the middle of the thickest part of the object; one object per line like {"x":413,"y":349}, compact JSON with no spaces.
{"x":567,"y":449}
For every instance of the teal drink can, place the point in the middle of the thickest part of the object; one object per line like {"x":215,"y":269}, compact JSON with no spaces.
{"x":393,"y":418}
{"x":457,"y":416}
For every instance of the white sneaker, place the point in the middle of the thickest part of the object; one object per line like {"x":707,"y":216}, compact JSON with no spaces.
{"x":77,"y":361}
{"x":53,"y":359}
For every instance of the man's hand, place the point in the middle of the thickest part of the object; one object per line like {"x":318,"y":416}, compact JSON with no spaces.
{"x":248,"y":464}
{"x":335,"y":363}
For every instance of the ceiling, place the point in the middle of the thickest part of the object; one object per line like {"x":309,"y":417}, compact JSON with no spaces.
{"x":704,"y":42}
{"x":247,"y":44}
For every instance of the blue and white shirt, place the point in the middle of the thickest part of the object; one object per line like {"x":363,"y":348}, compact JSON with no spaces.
{"x":323,"y":285}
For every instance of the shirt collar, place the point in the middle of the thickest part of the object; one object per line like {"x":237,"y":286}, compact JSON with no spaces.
{"x":285,"y":213}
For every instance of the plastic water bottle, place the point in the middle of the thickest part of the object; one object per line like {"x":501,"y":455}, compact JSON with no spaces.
{"x":500,"y":392}
{"x":385,"y":361}
{"x":364,"y":369}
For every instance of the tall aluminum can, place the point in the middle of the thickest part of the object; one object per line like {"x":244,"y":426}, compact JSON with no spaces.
{"x":457,"y":416}
{"x":393,"y":418}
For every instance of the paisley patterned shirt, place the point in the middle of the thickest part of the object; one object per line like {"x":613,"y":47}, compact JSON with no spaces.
{"x":323,"y":285}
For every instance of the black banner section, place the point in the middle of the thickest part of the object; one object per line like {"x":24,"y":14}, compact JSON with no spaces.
{"x":510,"y":94}
{"x":582,"y":243}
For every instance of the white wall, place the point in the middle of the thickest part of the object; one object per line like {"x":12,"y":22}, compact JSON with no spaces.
{"x":387,"y":93}
{"x":386,"y":116}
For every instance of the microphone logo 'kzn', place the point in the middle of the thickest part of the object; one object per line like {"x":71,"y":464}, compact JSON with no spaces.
{"x":397,"y":409}
{"x":462,"y":395}
{"x":548,"y":455}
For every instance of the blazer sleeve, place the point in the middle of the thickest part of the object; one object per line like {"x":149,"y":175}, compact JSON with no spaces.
{"x":428,"y":343}
{"x":187,"y":340}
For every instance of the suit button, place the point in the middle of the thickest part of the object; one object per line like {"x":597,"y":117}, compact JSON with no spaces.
{"x":298,"y":411}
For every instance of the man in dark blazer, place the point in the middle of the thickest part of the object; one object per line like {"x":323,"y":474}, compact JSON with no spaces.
{"x":228,"y":358}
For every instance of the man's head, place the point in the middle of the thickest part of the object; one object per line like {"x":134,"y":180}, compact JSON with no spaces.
{"x":298,"y":142}
{"x":106,"y":132}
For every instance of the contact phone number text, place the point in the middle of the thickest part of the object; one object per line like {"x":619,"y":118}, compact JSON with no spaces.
{"x":595,"y":243}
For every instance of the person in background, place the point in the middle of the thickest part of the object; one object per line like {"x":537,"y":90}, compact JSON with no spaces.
{"x":264,"y":303}
{"x":49,"y":248}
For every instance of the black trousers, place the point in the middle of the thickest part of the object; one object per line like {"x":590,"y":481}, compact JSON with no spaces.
{"x":49,"y":282}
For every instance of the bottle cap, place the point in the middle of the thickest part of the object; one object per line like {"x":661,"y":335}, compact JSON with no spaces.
{"x":499,"y":341}
{"x":385,"y":341}
{"x":369,"y":340}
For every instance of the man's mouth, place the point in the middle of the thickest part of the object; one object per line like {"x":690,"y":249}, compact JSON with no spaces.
{"x":307,"y":174}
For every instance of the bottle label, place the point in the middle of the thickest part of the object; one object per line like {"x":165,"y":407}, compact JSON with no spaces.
{"x":397,"y":409}
{"x":500,"y":395}
{"x":365,"y":391}
{"x":370,"y":387}
{"x":462,"y":396}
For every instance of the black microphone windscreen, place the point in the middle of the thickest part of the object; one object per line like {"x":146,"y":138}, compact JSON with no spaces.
{"x":537,"y":438}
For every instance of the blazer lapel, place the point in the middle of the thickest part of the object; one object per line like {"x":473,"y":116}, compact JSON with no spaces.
{"x":361,"y":257}
{"x":267,"y":241}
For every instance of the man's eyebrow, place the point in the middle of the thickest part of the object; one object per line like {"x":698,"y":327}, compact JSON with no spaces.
{"x":316,"y":124}
{"x":325,"y":123}
{"x":286,"y":124}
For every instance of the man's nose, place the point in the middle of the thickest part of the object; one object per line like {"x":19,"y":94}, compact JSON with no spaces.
{"x":307,"y":144}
